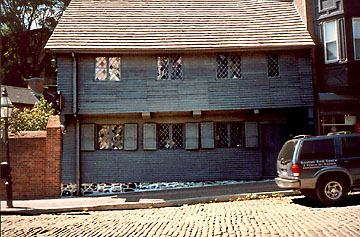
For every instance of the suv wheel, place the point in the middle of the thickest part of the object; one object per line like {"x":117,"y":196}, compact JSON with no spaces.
{"x":331,"y":191}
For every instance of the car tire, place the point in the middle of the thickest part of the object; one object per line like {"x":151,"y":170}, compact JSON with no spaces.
{"x":331,"y":191}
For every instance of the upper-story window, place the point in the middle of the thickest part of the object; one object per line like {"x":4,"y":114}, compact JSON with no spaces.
{"x":273,"y":66}
{"x":107,"y":68}
{"x":334,"y":41}
{"x":169,"y":68}
{"x":228,"y":67}
{"x":356,"y":35}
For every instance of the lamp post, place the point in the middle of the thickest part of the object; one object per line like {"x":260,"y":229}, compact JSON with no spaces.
{"x":6,"y":110}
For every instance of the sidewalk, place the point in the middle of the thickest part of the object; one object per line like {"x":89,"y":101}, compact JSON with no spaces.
{"x":137,"y":200}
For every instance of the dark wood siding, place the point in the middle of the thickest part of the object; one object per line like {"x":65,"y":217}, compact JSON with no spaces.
{"x":170,"y":165}
{"x":139,"y":91}
{"x":64,"y":81}
{"x":68,"y":161}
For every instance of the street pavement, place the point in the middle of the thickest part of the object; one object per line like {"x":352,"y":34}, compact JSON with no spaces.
{"x":277,"y":216}
{"x":136,"y":200}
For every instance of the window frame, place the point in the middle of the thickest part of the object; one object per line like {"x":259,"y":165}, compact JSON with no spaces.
{"x":229,"y":135}
{"x":268,"y":65}
{"x":340,"y":41}
{"x":110,"y":148}
{"x":355,"y":19}
{"x":229,"y":71}
{"x":171,"y":60}
{"x":107,"y":68}
{"x":171,"y":138}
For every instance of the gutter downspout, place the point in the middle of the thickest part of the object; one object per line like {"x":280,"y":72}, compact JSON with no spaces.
{"x":77,"y":125}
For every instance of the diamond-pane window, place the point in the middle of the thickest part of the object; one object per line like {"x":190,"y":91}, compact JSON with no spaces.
{"x":228,"y":67}
{"x":169,"y":68}
{"x":171,"y":136}
{"x":228,"y":135}
{"x":110,"y":137}
{"x":107,"y":68}
{"x":273,"y":67}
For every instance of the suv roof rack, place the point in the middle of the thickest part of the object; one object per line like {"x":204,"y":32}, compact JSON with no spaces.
{"x":338,"y":133}
{"x":302,"y":136}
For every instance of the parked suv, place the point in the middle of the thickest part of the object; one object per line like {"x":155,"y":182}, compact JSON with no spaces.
{"x":324,"y":168}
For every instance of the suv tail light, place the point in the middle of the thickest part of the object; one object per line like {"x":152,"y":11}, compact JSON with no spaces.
{"x":295,"y":170}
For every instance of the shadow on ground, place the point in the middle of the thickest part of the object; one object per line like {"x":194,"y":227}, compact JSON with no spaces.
{"x":351,"y":200}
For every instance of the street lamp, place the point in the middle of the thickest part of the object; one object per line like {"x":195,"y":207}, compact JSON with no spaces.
{"x":6,"y":110}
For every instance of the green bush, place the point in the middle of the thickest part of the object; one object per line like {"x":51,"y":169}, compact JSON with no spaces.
{"x":34,"y":119}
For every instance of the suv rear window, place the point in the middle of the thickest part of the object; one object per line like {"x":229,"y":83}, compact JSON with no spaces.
{"x":287,"y":151}
{"x":351,"y":146}
{"x":318,"y":149}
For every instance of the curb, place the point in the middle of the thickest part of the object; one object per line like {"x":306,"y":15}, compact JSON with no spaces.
{"x":145,"y":205}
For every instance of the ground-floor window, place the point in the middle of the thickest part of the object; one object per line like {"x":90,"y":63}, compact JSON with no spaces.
{"x":228,"y":135}
{"x":171,"y":136}
{"x":110,"y":137}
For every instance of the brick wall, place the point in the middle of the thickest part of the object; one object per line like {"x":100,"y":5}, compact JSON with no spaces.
{"x":35,"y":159}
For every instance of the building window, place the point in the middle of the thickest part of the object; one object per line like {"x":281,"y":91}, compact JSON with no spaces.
{"x":273,"y":67}
{"x":110,"y":137}
{"x":228,"y":67}
{"x":107,"y":68}
{"x":334,"y":41}
{"x":171,"y":136}
{"x":228,"y":135}
{"x":169,"y":68}
{"x":356,"y":35}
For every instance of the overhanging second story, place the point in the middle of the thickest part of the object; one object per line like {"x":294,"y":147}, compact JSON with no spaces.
{"x":159,"y":56}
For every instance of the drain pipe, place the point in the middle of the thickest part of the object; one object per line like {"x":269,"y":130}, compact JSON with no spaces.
{"x":77,"y":125}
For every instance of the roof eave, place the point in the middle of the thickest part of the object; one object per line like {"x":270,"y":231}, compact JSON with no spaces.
{"x":157,"y":50}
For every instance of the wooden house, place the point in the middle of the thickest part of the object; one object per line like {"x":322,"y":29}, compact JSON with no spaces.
{"x":180,"y":90}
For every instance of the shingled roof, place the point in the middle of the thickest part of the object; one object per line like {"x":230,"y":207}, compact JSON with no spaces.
{"x":163,"y":25}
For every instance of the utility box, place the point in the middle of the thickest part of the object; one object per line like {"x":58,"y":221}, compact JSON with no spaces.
{"x":5,"y":170}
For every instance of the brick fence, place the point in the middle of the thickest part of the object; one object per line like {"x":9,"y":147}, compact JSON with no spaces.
{"x":35,"y":159}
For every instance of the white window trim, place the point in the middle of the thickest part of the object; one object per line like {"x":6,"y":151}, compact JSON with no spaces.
{"x":337,"y":42}
{"x":353,"y":33}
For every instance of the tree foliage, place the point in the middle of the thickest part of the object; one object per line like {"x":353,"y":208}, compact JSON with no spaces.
{"x":34,"y":119}
{"x":26,"y":25}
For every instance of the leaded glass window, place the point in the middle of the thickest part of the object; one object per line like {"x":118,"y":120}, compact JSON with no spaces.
{"x":169,"y":68}
{"x":273,"y":67}
{"x":229,"y":135}
{"x":110,"y":137}
{"x":228,"y":67}
{"x":171,"y":136}
{"x":107,"y":68}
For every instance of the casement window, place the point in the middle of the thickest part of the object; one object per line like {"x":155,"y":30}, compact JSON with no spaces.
{"x":356,"y":36}
{"x":107,"y":69}
{"x":334,"y":41}
{"x":273,"y":67}
{"x":169,"y":68}
{"x":110,"y":137}
{"x":228,"y":135}
{"x":228,"y":67}
{"x":117,"y":137}
{"x":171,"y":136}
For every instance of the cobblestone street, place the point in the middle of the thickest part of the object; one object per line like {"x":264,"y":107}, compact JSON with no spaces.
{"x":287,"y":216}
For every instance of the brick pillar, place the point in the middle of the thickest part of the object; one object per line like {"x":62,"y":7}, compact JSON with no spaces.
{"x":53,"y":157}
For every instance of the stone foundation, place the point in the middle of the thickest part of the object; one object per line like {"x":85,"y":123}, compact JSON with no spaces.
{"x":95,"y":189}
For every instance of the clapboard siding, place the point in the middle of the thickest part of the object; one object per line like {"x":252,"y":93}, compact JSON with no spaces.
{"x":139,"y":91}
{"x":64,"y":81}
{"x":68,"y":161}
{"x":170,"y":165}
